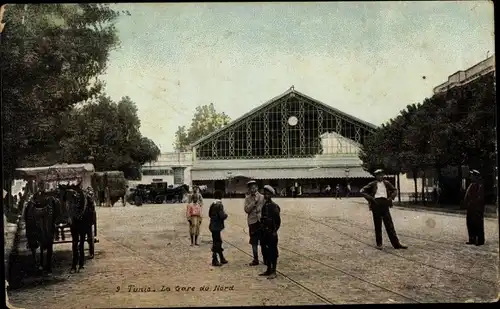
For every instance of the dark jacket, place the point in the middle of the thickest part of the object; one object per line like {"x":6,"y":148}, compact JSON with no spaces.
{"x":270,"y":219}
{"x":371,"y":189}
{"x":474,"y":198}
{"x":217,"y":216}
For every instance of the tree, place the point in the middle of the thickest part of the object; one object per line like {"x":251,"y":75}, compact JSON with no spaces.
{"x":205,"y":121}
{"x":52,"y":55}
{"x":451,"y":129}
{"x":105,"y":133}
{"x":181,"y":139}
{"x":109,"y":132}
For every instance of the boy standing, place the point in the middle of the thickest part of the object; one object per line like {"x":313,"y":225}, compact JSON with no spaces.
{"x":271,"y":222}
{"x":193,"y":214}
{"x":217,"y":218}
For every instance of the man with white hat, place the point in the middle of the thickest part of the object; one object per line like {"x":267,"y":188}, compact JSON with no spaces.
{"x":271,"y":222}
{"x":253,"y":207}
{"x":380,"y":194}
{"x":474,"y":201}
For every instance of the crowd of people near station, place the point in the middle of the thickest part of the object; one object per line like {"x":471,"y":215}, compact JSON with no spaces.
{"x":264,"y":220}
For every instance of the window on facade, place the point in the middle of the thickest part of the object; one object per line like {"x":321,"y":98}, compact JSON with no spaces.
{"x":148,"y":172}
{"x":178,"y":176}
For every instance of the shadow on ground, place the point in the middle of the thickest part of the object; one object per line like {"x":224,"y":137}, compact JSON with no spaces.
{"x":23,"y":275}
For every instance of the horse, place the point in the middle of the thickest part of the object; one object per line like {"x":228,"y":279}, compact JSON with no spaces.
{"x":115,"y":195}
{"x":177,"y":193}
{"x":41,"y":212}
{"x":80,"y":221}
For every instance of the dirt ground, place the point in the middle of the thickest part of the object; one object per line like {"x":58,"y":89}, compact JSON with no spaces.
{"x":327,"y":256}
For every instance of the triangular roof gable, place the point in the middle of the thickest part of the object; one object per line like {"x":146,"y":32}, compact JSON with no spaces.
{"x":270,"y":102}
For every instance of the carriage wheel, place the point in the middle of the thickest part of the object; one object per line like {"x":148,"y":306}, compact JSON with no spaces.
{"x":138,"y":201}
{"x":159,"y":199}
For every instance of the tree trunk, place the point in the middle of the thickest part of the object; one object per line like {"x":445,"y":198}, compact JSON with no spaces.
{"x":423,"y":188}
{"x":399,"y":188}
{"x":415,"y":184}
{"x":463,"y":181}
{"x":438,"y":178}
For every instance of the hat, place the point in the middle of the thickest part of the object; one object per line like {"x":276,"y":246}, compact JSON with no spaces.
{"x":251,"y":182}
{"x":379,"y":171}
{"x":474,"y":172}
{"x":269,"y":189}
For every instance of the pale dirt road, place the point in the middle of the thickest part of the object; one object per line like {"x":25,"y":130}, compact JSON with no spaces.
{"x":327,"y":255}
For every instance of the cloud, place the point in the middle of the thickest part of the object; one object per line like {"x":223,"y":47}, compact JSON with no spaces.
{"x":366,"y":59}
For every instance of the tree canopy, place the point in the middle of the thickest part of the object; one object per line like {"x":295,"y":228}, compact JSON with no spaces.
{"x":105,"y":133}
{"x":205,"y":120}
{"x":52,"y":57}
{"x":449,"y":129}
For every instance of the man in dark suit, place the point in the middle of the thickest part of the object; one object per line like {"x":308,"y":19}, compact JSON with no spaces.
{"x":474,"y":201}
{"x":380,"y":194}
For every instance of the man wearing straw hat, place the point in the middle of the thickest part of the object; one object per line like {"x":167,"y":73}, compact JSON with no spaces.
{"x":380,"y":194}
{"x":474,"y":201}
{"x":253,"y":207}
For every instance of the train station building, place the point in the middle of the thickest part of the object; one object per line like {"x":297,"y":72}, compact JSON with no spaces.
{"x":289,"y":141}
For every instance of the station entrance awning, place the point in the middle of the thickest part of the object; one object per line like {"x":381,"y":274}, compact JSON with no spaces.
{"x":270,"y":173}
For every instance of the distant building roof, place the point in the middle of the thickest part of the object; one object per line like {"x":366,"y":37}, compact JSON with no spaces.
{"x":464,"y":77}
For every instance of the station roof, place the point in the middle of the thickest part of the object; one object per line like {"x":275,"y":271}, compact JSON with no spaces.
{"x":286,"y":93}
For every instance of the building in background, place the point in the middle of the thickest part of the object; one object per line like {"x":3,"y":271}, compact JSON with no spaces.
{"x":290,"y":141}
{"x":171,"y":167}
{"x":446,"y":178}
{"x":464,"y":77}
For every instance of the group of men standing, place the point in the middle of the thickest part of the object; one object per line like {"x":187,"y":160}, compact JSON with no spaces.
{"x":264,"y":220}
{"x":263,"y":223}
{"x":380,"y":193}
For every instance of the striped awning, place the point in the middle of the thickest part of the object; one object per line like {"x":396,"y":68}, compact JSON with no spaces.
{"x":291,"y":173}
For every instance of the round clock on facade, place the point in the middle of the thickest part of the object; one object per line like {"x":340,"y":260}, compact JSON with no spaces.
{"x":293,"y":121}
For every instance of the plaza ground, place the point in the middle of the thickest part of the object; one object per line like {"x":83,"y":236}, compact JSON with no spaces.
{"x":327,"y":256}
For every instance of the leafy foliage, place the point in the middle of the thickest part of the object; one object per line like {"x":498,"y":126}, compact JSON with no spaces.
{"x":450,"y":129}
{"x":205,"y":121}
{"x":105,"y":133}
{"x":51,"y":57}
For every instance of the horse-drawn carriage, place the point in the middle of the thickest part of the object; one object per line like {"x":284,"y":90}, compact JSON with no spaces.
{"x":176,"y":193}
{"x":158,"y":193}
{"x":110,"y":187}
{"x":60,"y":199}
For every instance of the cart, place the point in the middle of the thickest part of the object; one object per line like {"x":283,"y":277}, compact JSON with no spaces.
{"x":52,"y":176}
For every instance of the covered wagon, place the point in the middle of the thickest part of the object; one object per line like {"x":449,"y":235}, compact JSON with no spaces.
{"x":53,"y":175}
{"x":50,"y":177}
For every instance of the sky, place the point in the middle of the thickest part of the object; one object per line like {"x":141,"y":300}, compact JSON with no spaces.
{"x":367,"y":59}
